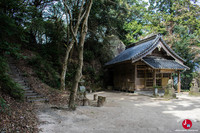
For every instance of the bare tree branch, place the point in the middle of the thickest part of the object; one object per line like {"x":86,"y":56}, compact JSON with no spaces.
{"x":71,"y":26}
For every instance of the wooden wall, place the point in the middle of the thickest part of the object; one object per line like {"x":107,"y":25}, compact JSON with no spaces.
{"x":124,"y":77}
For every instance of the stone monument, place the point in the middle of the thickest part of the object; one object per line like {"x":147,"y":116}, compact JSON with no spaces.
{"x":169,"y":90}
{"x":194,"y":89}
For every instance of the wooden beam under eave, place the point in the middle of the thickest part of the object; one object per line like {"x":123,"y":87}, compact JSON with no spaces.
{"x":179,"y":82}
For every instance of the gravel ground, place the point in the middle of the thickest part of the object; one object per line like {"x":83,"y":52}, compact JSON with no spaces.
{"x":124,"y":113}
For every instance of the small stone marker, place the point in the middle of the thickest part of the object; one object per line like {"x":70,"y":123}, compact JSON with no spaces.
{"x":101,"y":100}
{"x":95,"y":97}
{"x":169,"y":90}
{"x":86,"y":101}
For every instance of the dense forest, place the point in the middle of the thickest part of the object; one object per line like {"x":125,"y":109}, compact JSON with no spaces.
{"x":63,"y":41}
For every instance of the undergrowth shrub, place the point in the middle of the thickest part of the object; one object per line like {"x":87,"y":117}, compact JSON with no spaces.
{"x":45,"y":71}
{"x":7,"y":85}
{"x":88,"y":56}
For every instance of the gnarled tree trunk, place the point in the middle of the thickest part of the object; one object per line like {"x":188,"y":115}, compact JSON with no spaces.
{"x":74,"y":32}
{"x":78,"y":75}
{"x":64,"y":68}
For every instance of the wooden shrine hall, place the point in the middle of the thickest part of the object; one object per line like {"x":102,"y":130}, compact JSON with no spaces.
{"x":144,"y":65}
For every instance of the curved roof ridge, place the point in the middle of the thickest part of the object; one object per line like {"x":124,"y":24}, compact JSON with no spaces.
{"x":144,"y":47}
{"x":142,"y":41}
{"x":133,"y":52}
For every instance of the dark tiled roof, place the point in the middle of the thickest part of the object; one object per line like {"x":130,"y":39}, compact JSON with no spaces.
{"x":161,"y":63}
{"x":136,"y":51}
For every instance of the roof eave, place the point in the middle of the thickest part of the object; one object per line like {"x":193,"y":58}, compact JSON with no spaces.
{"x":186,"y":67}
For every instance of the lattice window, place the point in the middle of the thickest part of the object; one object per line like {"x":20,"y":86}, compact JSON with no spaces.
{"x":149,"y":74}
{"x":166,"y":75}
{"x":140,"y":73}
{"x":158,"y":75}
{"x":149,"y":82}
{"x":158,"y":82}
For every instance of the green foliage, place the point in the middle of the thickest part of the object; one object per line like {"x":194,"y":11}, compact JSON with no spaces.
{"x":89,"y":70}
{"x":10,"y":49}
{"x":135,"y":30}
{"x":183,"y":48}
{"x":70,"y":73}
{"x":45,"y":71}
{"x":88,"y":56}
{"x":107,"y":18}
{"x":7,"y":84}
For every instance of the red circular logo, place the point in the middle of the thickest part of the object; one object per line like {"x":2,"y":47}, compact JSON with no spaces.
{"x":187,"y":124}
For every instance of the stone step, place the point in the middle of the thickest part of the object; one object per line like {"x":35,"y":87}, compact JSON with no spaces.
{"x":28,"y":91}
{"x":21,"y":83}
{"x":15,"y":76}
{"x":37,"y":100}
{"x":30,"y":94}
{"x":18,"y":77}
{"x":25,"y":88}
{"x":34,"y":97}
{"x":18,"y":80}
{"x":13,"y":67}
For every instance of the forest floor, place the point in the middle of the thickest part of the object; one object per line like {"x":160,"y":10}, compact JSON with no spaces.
{"x":123,"y":112}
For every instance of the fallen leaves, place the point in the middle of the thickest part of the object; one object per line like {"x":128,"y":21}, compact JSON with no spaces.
{"x":19,"y":116}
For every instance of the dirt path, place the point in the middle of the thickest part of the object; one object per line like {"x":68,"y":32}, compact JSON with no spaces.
{"x":124,"y":112}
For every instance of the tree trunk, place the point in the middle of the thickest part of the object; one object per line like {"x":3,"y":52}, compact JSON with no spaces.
{"x":64,"y":68}
{"x":78,"y":75}
{"x":77,"y":78}
{"x":74,"y":31}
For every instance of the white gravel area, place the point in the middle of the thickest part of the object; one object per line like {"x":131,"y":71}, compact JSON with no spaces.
{"x":124,"y":113}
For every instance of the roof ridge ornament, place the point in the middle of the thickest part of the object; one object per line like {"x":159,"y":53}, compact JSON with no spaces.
{"x":159,"y":47}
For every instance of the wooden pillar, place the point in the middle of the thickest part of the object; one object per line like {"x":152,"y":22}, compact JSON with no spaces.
{"x":135,"y":77}
{"x":179,"y":82}
{"x":154,"y":77}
